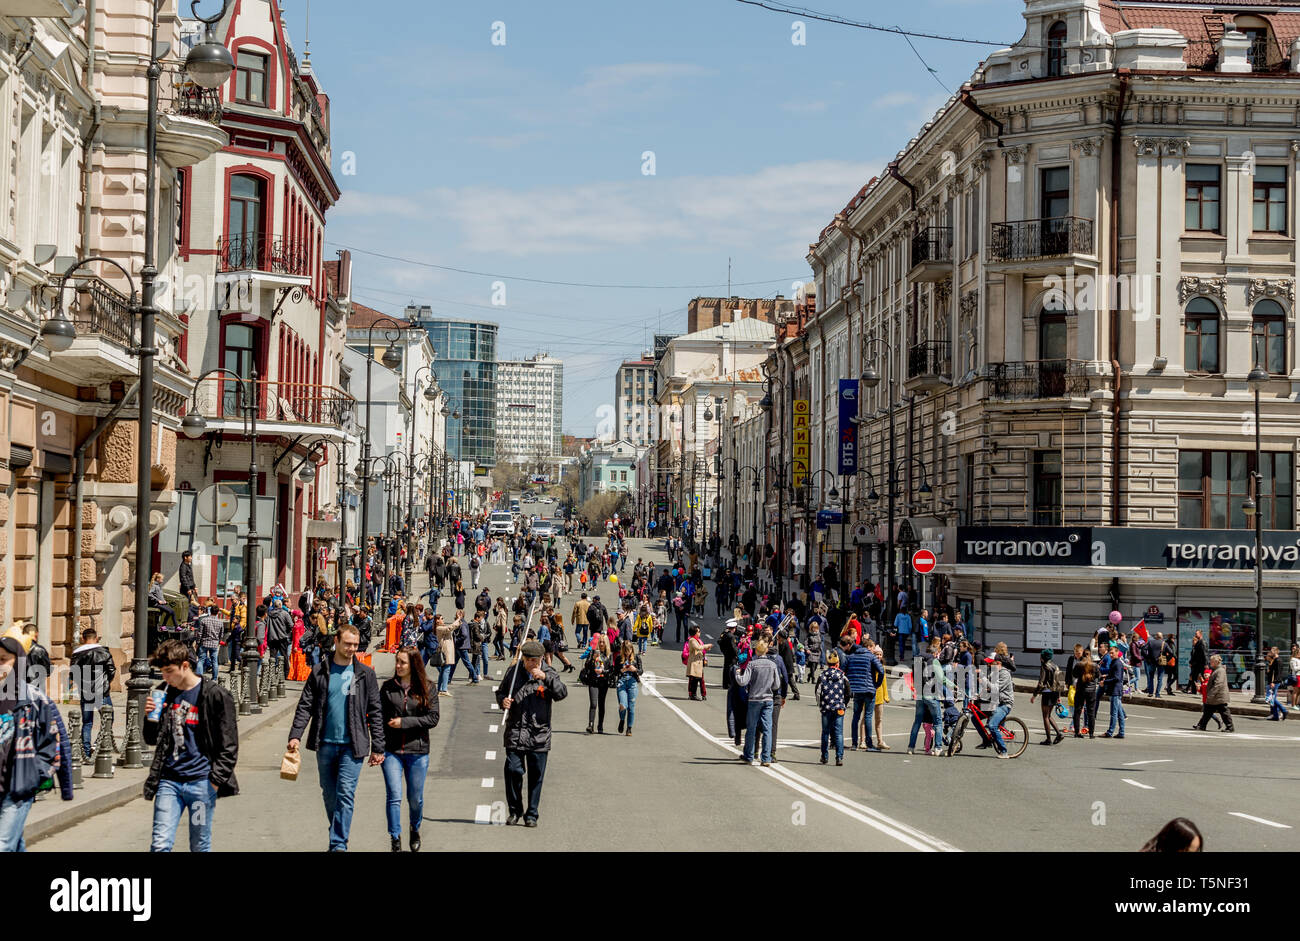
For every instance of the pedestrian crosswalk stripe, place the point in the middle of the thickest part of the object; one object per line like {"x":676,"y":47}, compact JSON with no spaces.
{"x":487,"y":782}
{"x":493,"y":728}
{"x":492,"y":706}
{"x":490,"y":756}
{"x":1267,"y":823}
{"x":483,"y":813}
{"x":1145,"y":787}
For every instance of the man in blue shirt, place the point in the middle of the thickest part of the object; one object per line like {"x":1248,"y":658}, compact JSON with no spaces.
{"x":903,"y":624}
{"x":341,"y":702}
{"x":1112,"y":672}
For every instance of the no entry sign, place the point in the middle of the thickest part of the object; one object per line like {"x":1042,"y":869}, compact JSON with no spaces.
{"x":923,"y":561}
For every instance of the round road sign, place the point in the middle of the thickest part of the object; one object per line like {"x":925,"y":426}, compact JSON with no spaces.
{"x":923,"y":561}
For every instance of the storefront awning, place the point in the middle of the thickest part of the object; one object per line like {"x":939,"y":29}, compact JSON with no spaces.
{"x":324,"y":529}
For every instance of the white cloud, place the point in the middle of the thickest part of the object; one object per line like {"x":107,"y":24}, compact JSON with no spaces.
{"x":775,"y":208}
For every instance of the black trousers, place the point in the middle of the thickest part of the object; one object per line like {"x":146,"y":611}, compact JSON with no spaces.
{"x":681,"y":615}
{"x":597,"y":694}
{"x":1085,"y":707}
{"x":1220,"y":710}
{"x":516,"y":763}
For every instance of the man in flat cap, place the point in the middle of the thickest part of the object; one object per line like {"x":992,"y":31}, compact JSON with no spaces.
{"x":526,"y":695}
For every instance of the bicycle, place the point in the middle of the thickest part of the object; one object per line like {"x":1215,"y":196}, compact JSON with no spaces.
{"x":1015,"y":734}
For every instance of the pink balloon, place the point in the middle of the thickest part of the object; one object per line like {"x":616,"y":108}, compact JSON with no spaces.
{"x":1116,"y":617}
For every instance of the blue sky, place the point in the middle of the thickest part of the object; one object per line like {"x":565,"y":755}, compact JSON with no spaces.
{"x":525,"y":160}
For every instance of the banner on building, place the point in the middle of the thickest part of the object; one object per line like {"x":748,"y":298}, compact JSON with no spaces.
{"x":848,"y":429}
{"x":801,"y":418}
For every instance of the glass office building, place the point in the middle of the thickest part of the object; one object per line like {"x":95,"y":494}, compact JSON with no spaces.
{"x":466,"y":366}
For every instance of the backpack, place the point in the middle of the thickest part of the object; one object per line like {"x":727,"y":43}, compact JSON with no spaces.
{"x":1056,"y":679}
{"x":686,"y":653}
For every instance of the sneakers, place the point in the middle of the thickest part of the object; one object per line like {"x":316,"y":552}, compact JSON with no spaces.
{"x":936,"y":752}
{"x":767,"y":764}
{"x":911,"y":751}
{"x":1003,"y":754}
{"x":530,"y":822}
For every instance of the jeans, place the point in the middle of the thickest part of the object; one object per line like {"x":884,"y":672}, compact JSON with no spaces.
{"x":1160,"y":680}
{"x":13,"y":817}
{"x":172,"y":799}
{"x":1276,"y":708}
{"x":927,"y":710}
{"x":581,"y":634}
{"x":627,"y":690}
{"x":164,"y":611}
{"x":760,"y":717}
{"x":901,"y":653}
{"x":1149,"y":667}
{"x":88,"y":713}
{"x":641,"y":644}
{"x":516,"y":762}
{"x":444,"y":675}
{"x":208,"y":662}
{"x":833,"y":731}
{"x":413,"y":768}
{"x":481,"y":661}
{"x":995,"y":726}
{"x":1116,"y":711}
{"x":466,"y":659}
{"x":339,"y":772}
{"x":863,"y":703}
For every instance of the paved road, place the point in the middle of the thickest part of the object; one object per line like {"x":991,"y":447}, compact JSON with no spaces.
{"x":680,"y":786}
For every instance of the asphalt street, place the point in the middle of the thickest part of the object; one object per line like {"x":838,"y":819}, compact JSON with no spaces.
{"x":677,"y":785}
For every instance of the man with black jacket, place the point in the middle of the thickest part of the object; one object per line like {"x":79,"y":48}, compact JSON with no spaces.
{"x":1196,"y":662}
{"x":525,"y":695}
{"x":38,"y":658}
{"x":93,"y":670}
{"x":192,"y":724}
{"x":188,"y":587}
{"x":341,"y":702}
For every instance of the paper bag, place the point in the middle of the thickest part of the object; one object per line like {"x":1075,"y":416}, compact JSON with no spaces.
{"x":290,"y":764}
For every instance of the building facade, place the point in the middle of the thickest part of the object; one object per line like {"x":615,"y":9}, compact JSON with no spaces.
{"x":1058,"y":292}
{"x":607,"y":467}
{"x":634,"y":399}
{"x":530,"y":410}
{"x":466,"y":365}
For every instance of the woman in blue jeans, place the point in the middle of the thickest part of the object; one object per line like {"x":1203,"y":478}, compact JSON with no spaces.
{"x":409,"y":710}
{"x":627,"y":669}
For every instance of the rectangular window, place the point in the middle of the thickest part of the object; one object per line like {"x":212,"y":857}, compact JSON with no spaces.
{"x":1047,"y":488}
{"x":1202,"y":197}
{"x":1201,"y":342}
{"x":1213,"y":487}
{"x":250,"y":78}
{"x":1270,"y":199}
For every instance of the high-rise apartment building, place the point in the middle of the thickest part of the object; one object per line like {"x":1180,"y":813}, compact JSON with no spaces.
{"x":634,"y":398}
{"x":530,"y":408}
{"x":466,"y":367}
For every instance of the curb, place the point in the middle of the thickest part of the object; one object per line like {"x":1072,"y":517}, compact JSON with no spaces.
{"x":1188,"y":703}
{"x":126,"y":786}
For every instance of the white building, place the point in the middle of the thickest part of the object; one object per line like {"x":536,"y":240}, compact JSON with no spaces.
{"x":634,"y":400}
{"x":607,"y":468}
{"x":530,"y":409}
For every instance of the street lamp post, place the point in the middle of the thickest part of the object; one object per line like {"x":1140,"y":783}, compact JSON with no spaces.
{"x":430,"y":395}
{"x":208,"y":65}
{"x":1254,"y":507}
{"x":871,"y":379}
{"x":833,"y":494}
{"x":769,"y":370}
{"x":392,"y":358}
{"x":194,"y":425}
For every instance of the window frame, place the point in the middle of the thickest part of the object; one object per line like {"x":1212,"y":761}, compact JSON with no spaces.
{"x":1270,"y":188}
{"x":1200,"y":201}
{"x":1269,"y":491}
{"x":1257,"y":320}
{"x":1189,"y":316}
{"x":1057,"y":36}
{"x":242,"y":76}
{"x":1052,"y":514}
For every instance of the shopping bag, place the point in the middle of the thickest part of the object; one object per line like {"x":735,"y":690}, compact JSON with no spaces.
{"x":290,"y":764}
{"x":1070,"y":697}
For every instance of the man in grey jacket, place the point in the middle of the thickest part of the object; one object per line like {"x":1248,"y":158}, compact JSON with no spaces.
{"x":1216,"y":696}
{"x":525,"y":695}
{"x":760,"y":675}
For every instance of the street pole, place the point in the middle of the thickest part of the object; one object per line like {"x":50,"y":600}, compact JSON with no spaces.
{"x":252,"y":660}
{"x":1257,"y":377}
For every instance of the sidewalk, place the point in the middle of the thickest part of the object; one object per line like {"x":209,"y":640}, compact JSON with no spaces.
{"x":50,"y":814}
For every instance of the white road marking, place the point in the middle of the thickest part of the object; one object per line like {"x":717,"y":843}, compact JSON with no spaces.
{"x":487,"y":782}
{"x":493,"y":706}
{"x":899,"y":831}
{"x":493,"y":728}
{"x":1149,"y":761}
{"x":490,"y":756}
{"x":483,"y":813}
{"x":1267,"y":823}
{"x":1145,"y":787}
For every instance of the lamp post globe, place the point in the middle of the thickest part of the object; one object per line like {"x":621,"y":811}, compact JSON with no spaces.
{"x":193,"y":425}
{"x":392,"y":357}
{"x":58,"y":333}
{"x":308,"y":473}
{"x":870,"y":378}
{"x":209,"y":64}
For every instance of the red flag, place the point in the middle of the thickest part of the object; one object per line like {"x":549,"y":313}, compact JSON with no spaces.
{"x":1140,"y":629}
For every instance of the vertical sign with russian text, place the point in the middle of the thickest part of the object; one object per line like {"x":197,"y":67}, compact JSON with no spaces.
{"x":848,"y":428}
{"x":802,"y":414}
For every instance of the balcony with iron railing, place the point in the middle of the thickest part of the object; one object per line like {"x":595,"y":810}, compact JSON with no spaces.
{"x":1030,"y":241}
{"x":284,"y":261}
{"x":931,"y":254}
{"x":189,"y":120}
{"x":104,"y":319}
{"x":1063,"y":382}
{"x":221,"y":399}
{"x":929,"y":365}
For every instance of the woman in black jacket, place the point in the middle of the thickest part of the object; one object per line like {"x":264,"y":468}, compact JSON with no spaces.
{"x":409,"y":711}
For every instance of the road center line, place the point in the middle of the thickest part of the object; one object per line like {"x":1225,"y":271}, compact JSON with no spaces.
{"x":1149,"y":761}
{"x":483,"y":813}
{"x":1145,"y":787}
{"x":490,"y":756}
{"x":487,"y":782}
{"x":1267,"y":823}
{"x":872,"y":818}
{"x":493,"y":728}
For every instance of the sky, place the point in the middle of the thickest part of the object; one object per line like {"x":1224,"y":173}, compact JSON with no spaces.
{"x":514,"y":140}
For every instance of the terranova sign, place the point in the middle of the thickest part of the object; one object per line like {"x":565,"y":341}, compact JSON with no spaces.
{"x":1124,"y":547}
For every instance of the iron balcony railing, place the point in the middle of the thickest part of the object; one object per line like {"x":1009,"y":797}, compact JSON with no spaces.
{"x":105,"y":311}
{"x":932,"y":245}
{"x":252,"y":252}
{"x":299,"y":402}
{"x":1041,"y":238}
{"x":931,"y":358}
{"x":1044,"y":379}
{"x":178,"y":95}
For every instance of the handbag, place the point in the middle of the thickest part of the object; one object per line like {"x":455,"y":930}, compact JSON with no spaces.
{"x":290,"y":764}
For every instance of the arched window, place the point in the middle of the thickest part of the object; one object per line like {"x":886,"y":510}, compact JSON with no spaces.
{"x":1201,"y":336}
{"x":1268,"y":337}
{"x":245,"y":220}
{"x":1056,"y":49}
